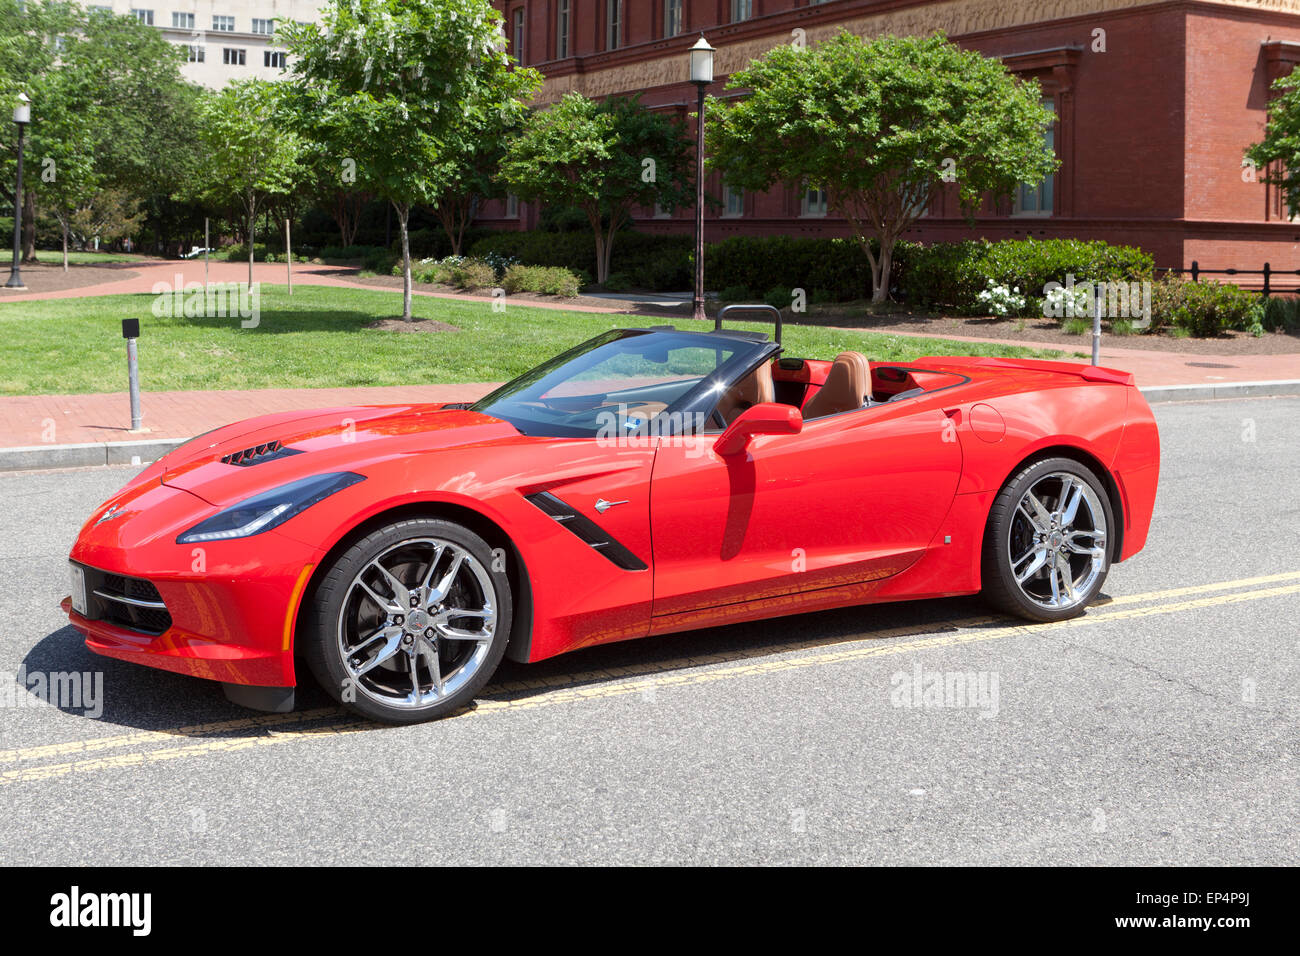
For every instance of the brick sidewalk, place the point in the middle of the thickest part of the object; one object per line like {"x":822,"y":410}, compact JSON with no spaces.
{"x":32,"y":420}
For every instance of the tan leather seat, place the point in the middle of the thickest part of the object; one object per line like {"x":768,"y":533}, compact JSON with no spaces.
{"x":754,"y":388}
{"x":847,"y":386}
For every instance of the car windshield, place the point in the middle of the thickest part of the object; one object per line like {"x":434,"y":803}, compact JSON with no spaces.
{"x":618,"y":382}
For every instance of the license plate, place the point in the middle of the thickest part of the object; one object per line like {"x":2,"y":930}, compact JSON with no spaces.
{"x":78,"y":589}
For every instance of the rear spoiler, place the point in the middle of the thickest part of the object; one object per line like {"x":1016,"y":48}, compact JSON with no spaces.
{"x":1089,"y":373}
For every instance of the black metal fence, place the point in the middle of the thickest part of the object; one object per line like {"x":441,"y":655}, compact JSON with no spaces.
{"x":1268,"y":272}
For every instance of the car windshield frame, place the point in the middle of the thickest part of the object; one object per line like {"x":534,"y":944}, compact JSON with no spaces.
{"x":748,"y":351}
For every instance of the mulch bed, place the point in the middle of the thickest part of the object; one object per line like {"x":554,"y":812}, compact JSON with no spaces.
{"x":419,"y":325}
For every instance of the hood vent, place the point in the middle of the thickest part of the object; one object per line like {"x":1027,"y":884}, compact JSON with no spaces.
{"x":268,"y":451}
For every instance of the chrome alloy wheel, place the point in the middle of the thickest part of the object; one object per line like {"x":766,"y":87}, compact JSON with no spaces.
{"x":416,"y":623}
{"x":1057,"y":541}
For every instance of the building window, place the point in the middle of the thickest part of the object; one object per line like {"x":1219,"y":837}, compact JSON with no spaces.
{"x":183,"y":21}
{"x":264,"y":27}
{"x":672,"y":17}
{"x":144,"y":16}
{"x":733,"y":201}
{"x":195,"y":54}
{"x":273,"y":58}
{"x":232,"y":57}
{"x":519,"y":35}
{"x":223,"y":24}
{"x":561,"y":29}
{"x":662,"y":212}
{"x":741,"y":10}
{"x":512,"y":206}
{"x":613,"y":23}
{"x":814,"y":202}
{"x":1038,"y":200}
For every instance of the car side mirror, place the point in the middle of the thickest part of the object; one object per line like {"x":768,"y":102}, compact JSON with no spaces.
{"x":765,"y":418}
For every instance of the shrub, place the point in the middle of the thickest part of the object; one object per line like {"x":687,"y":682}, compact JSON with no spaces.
{"x":618,"y":282}
{"x":952,"y":275}
{"x":350,"y":253}
{"x":470,"y":274}
{"x":1281,"y":312}
{"x":736,"y":293}
{"x":837,"y":268}
{"x":778,"y":296}
{"x":1001,"y":300}
{"x":1204,"y":308}
{"x":546,"y":280}
{"x":658,"y":263}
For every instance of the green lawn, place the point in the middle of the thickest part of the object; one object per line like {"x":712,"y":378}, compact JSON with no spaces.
{"x":55,"y":257}
{"x":317,"y":338}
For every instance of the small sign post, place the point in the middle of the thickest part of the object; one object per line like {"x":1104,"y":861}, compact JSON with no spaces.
{"x":1098,"y":294}
{"x":205,"y":252}
{"x":131,"y":332}
{"x":288,"y":256}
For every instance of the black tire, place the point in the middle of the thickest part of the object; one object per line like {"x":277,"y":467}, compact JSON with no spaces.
{"x":1010,"y":531}
{"x":402,"y":544}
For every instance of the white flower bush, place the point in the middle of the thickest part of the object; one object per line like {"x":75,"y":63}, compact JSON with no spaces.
{"x":1001,"y":300}
{"x":1057,"y":304}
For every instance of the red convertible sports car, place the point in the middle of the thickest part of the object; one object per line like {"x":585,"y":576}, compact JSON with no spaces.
{"x":645,"y":482}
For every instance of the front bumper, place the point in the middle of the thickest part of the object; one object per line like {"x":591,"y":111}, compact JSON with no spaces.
{"x":232,"y":622}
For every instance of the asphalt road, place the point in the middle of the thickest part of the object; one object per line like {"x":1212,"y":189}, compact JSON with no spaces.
{"x":1161,"y":728}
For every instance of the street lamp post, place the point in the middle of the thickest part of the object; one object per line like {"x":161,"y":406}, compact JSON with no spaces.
{"x":701,"y":76}
{"x":22,"y":116}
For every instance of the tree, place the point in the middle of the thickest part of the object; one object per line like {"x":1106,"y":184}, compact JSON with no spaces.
{"x":1279,"y":152}
{"x":397,"y":88}
{"x":66,"y":178}
{"x":250,"y":155}
{"x":879,"y":124}
{"x":604,"y":158}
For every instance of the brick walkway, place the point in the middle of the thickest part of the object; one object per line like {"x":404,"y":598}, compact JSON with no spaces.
{"x":73,"y":419}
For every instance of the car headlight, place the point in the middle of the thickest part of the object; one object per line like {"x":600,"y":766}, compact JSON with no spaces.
{"x":269,"y":509}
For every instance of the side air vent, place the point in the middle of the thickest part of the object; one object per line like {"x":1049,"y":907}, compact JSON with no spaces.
{"x":587,"y":530}
{"x":259,"y":454}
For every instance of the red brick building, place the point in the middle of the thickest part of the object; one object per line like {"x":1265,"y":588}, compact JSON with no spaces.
{"x":1156,"y":100}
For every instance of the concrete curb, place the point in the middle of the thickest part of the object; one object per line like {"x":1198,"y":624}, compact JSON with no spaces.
{"x":1191,"y":393}
{"x":91,"y":454}
{"x":87,"y":455}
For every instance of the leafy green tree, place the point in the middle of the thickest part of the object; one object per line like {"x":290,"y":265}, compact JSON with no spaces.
{"x":397,"y":88}
{"x":250,"y":155}
{"x":606,"y":158}
{"x":1278,"y":154}
{"x":879,"y":124}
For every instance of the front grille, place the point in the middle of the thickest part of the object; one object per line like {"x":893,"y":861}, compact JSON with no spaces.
{"x":132,"y":603}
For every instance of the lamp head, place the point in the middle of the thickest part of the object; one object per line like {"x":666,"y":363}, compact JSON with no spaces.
{"x":701,"y":61}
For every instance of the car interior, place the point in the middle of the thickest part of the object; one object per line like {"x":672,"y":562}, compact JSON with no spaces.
{"x":819,"y":388}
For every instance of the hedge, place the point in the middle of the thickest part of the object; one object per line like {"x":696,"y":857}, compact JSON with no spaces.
{"x":659,"y":263}
{"x":952,"y":275}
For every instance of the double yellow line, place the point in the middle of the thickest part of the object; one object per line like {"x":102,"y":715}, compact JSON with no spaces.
{"x":95,"y":754}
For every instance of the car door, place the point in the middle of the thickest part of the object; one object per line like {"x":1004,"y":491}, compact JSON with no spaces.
{"x":852,"y":497}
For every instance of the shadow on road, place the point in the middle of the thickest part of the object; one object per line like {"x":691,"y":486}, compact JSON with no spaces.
{"x":144,"y":698}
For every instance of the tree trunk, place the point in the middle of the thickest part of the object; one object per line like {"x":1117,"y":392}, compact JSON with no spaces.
{"x":252,"y":221}
{"x":881,"y":269}
{"x":609,"y":249}
{"x":29,"y":226}
{"x":403,"y":214}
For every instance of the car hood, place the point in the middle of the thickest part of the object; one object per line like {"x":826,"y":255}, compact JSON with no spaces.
{"x":245,"y":458}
